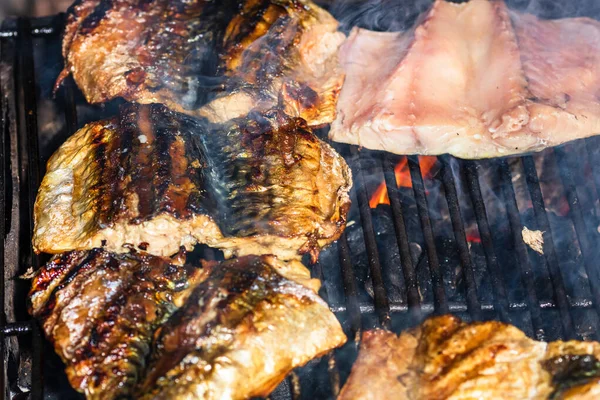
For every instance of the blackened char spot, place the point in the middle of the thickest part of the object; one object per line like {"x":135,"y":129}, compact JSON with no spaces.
{"x":53,"y":270}
{"x":87,"y":262}
{"x":164,"y":132}
{"x":108,"y":155}
{"x":303,"y":94}
{"x":143,"y":161}
{"x":229,"y":294}
{"x":96,"y":16}
{"x":571,"y":370}
{"x":135,"y":77}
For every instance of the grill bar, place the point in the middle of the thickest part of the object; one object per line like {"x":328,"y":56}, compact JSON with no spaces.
{"x":408,"y":269}
{"x":16,"y":328}
{"x":460,"y":236}
{"x":539,"y":209}
{"x":591,"y":147}
{"x":516,"y":227}
{"x":460,"y":307}
{"x":25,"y":87}
{"x":500,"y":293}
{"x":381,"y":301}
{"x":566,"y":166}
{"x":440,"y":301}
{"x":34,"y":32}
{"x":25,"y":94}
{"x":3,"y":164}
{"x":68,"y":98}
{"x":350,"y":289}
{"x":332,"y":369}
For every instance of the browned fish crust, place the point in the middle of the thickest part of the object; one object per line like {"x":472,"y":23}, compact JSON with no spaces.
{"x":239,"y":334}
{"x":158,"y":180}
{"x":100,"y":311}
{"x":236,"y":55}
{"x":445,"y":358}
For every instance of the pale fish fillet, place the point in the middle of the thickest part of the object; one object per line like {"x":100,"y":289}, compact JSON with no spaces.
{"x":474,"y":80}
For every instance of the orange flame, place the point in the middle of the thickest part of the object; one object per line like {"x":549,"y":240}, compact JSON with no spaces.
{"x":403,"y":178}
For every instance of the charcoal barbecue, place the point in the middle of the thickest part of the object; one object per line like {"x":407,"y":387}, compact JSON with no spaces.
{"x":450,"y":240}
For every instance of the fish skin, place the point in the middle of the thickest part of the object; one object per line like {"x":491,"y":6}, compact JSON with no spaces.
{"x":239,"y":334}
{"x":157,"y":180}
{"x":100,"y":310}
{"x":217,"y":59}
{"x":445,"y":358}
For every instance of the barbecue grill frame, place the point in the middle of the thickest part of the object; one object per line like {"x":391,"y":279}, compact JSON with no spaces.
{"x":23,"y":106}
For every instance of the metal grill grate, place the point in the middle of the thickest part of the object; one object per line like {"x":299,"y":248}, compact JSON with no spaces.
{"x":394,"y":266}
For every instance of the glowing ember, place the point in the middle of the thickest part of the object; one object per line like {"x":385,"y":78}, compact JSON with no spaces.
{"x":473,"y":238}
{"x":403,"y":178}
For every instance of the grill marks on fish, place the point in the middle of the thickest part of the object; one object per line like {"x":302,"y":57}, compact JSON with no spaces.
{"x":168,"y":48}
{"x":273,"y":46}
{"x":158,"y":180}
{"x":213,"y":310}
{"x":218,"y":59}
{"x":195,"y":29}
{"x":143,"y":167}
{"x":239,"y":334}
{"x":96,"y":16}
{"x":446,"y":358}
{"x":100,"y":311}
{"x":257,"y":42}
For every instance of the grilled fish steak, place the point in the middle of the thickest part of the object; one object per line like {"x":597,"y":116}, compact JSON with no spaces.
{"x":472,"y":79}
{"x":238,"y":335}
{"x":158,"y":180}
{"x":234,"y":55}
{"x":100,"y":311}
{"x":445,"y":358}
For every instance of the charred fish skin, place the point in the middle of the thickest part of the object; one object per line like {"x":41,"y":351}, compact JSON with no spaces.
{"x":146,"y":51}
{"x":275,"y":176}
{"x":280,"y":53}
{"x":446,"y":358}
{"x":100,"y":311}
{"x":239,"y":334}
{"x":158,"y":180}
{"x":132,"y":180}
{"x":234,"y":55}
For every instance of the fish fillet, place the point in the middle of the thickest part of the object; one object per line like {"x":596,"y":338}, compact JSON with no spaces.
{"x":445,"y":358}
{"x":217,"y":59}
{"x":157,"y":180}
{"x":101,"y":312}
{"x":238,"y":335}
{"x":472,"y":79}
